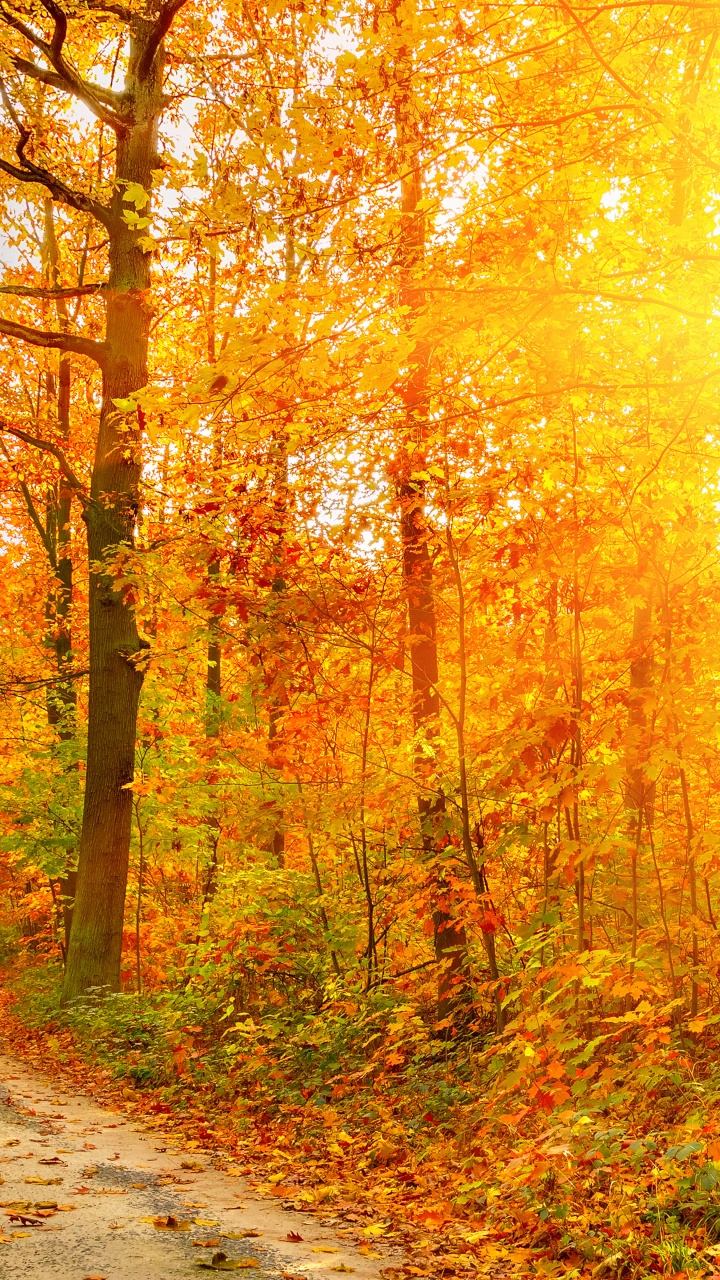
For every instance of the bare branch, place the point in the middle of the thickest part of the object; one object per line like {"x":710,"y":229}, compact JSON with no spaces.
{"x":19,"y":682}
{"x":27,"y":291}
{"x":97,"y":351}
{"x":157,"y":35}
{"x":98,"y":99}
{"x":47,"y":446}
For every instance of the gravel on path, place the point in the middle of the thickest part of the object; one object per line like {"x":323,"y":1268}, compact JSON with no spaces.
{"x":82,"y":1188}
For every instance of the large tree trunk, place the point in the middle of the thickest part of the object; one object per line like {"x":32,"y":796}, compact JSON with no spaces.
{"x":115,"y":646}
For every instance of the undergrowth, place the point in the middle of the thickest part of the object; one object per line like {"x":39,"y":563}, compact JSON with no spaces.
{"x":352,"y":1101}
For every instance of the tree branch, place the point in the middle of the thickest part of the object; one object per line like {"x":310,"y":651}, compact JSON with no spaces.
{"x":157,"y":35}
{"x":37,"y":683}
{"x":99,"y":100}
{"x":263,"y":51}
{"x":59,"y":82}
{"x":32,"y":511}
{"x":32,"y":172}
{"x":27,"y":291}
{"x":118,"y":9}
{"x":75,"y":199}
{"x":97,"y":351}
{"x":47,"y":446}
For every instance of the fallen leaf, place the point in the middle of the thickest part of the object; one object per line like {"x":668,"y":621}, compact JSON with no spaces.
{"x":342,"y":1268}
{"x":221,"y":1262}
{"x":294,"y":1236}
{"x":52,"y":1160}
{"x":324,"y":1248}
{"x":193,"y":1165}
{"x":240,"y":1235}
{"x":139,"y":1186}
{"x":206,"y":1222}
{"x":205,"y":1244}
{"x":44,"y":1182}
{"x":168,"y":1223}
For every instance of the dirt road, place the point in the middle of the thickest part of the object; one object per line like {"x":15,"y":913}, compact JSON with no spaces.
{"x":85,"y":1192}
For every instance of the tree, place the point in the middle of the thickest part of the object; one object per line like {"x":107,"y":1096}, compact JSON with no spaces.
{"x":110,"y":506}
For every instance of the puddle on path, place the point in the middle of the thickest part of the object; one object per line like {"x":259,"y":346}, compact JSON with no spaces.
{"x":112,"y":1174}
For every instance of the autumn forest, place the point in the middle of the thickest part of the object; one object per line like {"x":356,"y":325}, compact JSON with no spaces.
{"x":360,"y":603}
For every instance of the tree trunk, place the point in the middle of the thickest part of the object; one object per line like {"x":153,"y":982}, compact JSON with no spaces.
{"x":62,"y":697}
{"x":278,"y":699}
{"x":213,"y":673}
{"x":115,"y":647}
{"x":639,"y":791}
{"x":449,"y":933}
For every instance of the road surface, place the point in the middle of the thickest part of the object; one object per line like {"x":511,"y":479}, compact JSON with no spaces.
{"x":85,"y":1192}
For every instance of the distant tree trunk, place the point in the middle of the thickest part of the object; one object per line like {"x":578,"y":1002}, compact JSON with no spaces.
{"x":449,"y":934}
{"x":278,"y":699}
{"x":639,"y":791}
{"x":62,"y":699}
{"x":213,"y":678}
{"x":213,"y":682}
{"x":54,"y":530}
{"x":639,"y":794}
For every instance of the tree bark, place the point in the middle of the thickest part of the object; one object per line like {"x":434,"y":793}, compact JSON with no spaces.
{"x":115,"y":646}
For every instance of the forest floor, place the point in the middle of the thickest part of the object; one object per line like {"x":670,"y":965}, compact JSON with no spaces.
{"x":85,"y":1193}
{"x":387,"y":1175}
